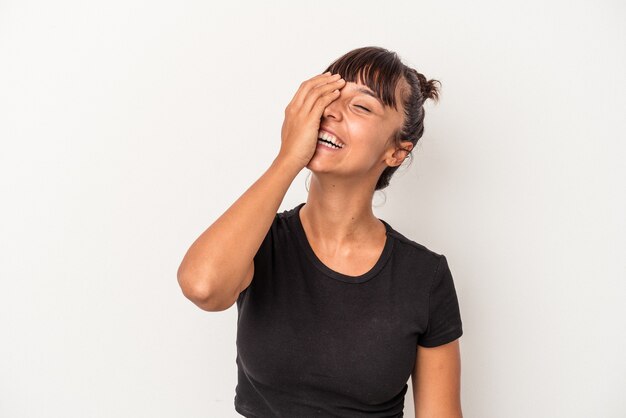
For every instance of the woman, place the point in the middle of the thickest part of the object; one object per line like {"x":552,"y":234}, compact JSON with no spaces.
{"x":336,"y":309}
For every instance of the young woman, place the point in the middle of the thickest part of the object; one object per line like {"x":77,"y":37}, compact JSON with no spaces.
{"x":336,"y":309}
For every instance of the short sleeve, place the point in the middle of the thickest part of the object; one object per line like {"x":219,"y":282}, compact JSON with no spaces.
{"x":444,"y":316}
{"x":263,"y":258}
{"x":264,"y":253}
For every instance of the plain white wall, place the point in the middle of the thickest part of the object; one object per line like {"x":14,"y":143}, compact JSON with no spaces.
{"x":128,"y":127}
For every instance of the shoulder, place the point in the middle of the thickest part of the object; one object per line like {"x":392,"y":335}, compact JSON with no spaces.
{"x":289,"y":213}
{"x":406,"y":246}
{"x":284,"y":227}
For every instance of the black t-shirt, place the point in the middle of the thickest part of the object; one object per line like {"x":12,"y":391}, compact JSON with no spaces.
{"x":313,"y":342}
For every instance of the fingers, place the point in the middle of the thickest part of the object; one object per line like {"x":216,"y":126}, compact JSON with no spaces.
{"x":307,"y":85}
{"x":321,"y":95}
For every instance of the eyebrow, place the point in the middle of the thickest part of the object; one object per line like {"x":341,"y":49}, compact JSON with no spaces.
{"x":369,"y":92}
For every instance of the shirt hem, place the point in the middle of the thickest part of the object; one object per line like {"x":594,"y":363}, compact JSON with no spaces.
{"x":444,"y":339}
{"x":244,"y":412}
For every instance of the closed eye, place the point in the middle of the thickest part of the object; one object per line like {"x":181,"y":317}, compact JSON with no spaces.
{"x":365,"y":108}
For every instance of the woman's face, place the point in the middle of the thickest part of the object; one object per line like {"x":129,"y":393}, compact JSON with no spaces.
{"x":365,"y":126}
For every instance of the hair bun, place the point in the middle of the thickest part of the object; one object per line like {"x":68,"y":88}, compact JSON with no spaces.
{"x":428,"y":88}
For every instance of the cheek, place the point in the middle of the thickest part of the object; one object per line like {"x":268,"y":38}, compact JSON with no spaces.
{"x":368,"y":141}
{"x":368,"y":133}
{"x":371,"y":150}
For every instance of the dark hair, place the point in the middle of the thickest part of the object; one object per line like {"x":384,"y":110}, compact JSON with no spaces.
{"x":381,"y":70}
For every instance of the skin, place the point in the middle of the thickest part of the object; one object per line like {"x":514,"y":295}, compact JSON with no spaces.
{"x":436,"y":381}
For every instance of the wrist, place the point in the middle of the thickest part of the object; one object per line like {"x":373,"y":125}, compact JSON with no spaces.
{"x":287,"y":165}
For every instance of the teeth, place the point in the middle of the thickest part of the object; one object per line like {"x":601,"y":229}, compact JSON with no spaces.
{"x":326,"y":144}
{"x":328,"y":137}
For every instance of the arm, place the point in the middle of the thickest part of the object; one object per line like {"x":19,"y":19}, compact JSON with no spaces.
{"x":219,"y":265}
{"x":436,"y":381}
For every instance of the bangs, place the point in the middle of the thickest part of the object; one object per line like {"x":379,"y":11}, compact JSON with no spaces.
{"x":377,"y":68}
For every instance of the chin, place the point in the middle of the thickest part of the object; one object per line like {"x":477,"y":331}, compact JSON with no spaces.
{"x":318,"y":167}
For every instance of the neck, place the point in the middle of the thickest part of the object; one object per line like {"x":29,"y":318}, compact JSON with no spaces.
{"x":338,"y":214}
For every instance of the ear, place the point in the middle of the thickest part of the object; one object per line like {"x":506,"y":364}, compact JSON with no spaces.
{"x":399,"y":154}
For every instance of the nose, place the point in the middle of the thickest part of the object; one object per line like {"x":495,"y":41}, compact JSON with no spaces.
{"x":334,"y":108}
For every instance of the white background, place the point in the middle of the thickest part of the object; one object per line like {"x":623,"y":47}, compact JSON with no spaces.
{"x":128,"y":127}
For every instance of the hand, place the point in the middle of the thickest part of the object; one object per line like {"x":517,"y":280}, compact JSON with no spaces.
{"x":303,"y":116}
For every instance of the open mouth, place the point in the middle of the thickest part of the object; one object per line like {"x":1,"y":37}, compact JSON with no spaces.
{"x":327,"y":144}
{"x":329,"y":140}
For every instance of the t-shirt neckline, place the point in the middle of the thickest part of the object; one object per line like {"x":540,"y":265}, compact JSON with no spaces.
{"x":304,"y":242}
